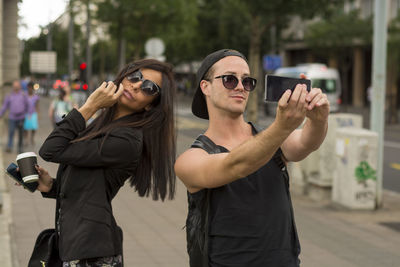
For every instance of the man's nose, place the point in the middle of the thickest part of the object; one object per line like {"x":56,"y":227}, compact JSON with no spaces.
{"x":239,"y":86}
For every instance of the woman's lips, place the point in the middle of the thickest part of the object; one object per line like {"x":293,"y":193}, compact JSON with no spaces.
{"x":127,"y":94}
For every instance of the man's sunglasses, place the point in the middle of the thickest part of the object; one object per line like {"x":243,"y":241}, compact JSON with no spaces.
{"x":148,"y":87}
{"x":231,"y":81}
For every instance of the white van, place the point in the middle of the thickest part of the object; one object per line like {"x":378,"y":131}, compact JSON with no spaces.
{"x":321,"y":77}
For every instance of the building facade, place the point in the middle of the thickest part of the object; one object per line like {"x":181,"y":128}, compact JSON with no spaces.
{"x":355,"y":62}
{"x":9,"y":43}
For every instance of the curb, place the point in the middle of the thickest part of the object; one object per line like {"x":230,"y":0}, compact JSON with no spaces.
{"x":5,"y":220}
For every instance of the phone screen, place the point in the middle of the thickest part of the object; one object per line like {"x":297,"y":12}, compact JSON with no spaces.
{"x":16,"y":175}
{"x":275,"y":86}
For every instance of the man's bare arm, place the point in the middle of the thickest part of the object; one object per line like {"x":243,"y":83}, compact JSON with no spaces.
{"x":198,"y":169}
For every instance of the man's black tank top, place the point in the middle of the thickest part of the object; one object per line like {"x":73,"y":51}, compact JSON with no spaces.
{"x":251,"y":220}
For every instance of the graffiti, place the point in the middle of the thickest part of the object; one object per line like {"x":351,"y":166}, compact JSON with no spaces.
{"x":363,"y":196}
{"x":344,"y":122}
{"x":363,"y":172}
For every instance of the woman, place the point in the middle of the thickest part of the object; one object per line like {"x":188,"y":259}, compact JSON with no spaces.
{"x":31,"y":119}
{"x":60,"y":106}
{"x":133,"y":138}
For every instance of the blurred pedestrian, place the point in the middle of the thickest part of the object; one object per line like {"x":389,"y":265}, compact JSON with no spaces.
{"x":60,"y":107}
{"x":17,"y":105}
{"x":132,"y":139}
{"x":240,"y":212}
{"x":31,"y":119}
{"x":70,"y":96}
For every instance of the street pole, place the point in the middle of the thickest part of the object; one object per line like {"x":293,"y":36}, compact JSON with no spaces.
{"x":70,"y":42}
{"x":379,"y":87}
{"x":49,"y":47}
{"x":88,"y":49}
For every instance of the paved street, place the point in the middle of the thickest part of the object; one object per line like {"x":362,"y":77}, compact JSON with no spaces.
{"x":331,"y":236}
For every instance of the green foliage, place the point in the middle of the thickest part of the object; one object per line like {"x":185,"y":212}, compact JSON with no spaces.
{"x":190,"y":28}
{"x":339,"y":31}
{"x":137,"y":21}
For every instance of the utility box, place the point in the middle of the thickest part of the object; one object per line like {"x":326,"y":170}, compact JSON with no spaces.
{"x":327,"y":160}
{"x":319,"y":166}
{"x":354,"y":178}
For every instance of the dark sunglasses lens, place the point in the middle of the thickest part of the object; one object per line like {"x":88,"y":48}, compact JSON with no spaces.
{"x":249,"y":84}
{"x":230,"y":81}
{"x":135,"y":77}
{"x":149,"y":88}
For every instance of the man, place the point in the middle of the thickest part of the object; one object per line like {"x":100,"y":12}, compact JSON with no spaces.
{"x":17,"y":104}
{"x":249,"y":220}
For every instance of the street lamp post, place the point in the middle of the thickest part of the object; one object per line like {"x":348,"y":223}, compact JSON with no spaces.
{"x":377,"y":118}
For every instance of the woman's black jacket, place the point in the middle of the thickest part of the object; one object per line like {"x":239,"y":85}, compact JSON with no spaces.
{"x":90,"y":174}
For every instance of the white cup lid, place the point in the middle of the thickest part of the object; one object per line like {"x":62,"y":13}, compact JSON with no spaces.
{"x":26,"y":155}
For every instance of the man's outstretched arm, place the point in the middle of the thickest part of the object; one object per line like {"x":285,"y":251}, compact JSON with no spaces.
{"x":302,"y":142}
{"x":198,"y":169}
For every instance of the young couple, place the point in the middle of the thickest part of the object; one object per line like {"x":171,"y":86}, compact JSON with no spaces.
{"x":240,"y":212}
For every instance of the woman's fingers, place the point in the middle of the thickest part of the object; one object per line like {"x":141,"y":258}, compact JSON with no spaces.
{"x":120,"y":90}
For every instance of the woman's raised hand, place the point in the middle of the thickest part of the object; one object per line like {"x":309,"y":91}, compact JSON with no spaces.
{"x":104,"y":96}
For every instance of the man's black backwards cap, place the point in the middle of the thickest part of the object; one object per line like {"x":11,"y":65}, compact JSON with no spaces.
{"x":199,"y":106}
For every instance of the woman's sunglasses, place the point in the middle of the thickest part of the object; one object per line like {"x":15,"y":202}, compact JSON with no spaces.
{"x":231,"y":81}
{"x":148,"y":87}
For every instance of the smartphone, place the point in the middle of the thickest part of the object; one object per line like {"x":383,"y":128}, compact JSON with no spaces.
{"x":275,"y":86}
{"x":16,"y":175}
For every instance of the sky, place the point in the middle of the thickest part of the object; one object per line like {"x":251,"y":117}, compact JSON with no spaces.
{"x":36,"y":13}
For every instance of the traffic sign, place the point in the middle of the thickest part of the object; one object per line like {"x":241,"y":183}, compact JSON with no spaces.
{"x":272,"y":62}
{"x":43,"y":62}
{"x":154,"y":47}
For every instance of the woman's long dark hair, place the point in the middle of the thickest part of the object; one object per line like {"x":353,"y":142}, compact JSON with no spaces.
{"x":155,"y":171}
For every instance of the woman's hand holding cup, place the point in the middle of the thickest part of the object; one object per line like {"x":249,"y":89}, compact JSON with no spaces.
{"x":45,"y":180}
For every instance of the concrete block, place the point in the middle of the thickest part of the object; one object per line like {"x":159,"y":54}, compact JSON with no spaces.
{"x":354,"y":178}
{"x":318,"y":167}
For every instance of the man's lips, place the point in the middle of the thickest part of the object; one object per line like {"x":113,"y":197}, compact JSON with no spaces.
{"x":238,"y":97}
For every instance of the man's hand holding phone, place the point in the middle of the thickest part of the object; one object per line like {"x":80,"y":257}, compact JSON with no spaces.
{"x":317,"y":101}
{"x":318,"y":105}
{"x":292,"y":108}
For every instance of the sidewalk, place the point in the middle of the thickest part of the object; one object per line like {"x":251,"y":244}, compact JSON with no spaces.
{"x":154,"y":234}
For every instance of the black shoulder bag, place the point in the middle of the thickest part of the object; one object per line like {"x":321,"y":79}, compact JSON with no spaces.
{"x":45,"y":253}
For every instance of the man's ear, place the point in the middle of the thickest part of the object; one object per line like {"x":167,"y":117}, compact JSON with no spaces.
{"x":205,"y":87}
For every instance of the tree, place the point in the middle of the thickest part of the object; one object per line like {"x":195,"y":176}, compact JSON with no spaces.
{"x":59,"y":44}
{"x":337,"y":35}
{"x":243,"y":25}
{"x":132,"y":23}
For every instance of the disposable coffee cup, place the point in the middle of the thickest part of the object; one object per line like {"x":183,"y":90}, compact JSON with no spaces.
{"x":26,"y":163}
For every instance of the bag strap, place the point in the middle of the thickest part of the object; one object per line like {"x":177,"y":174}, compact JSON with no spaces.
{"x":207,"y":144}
{"x":210,"y":147}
